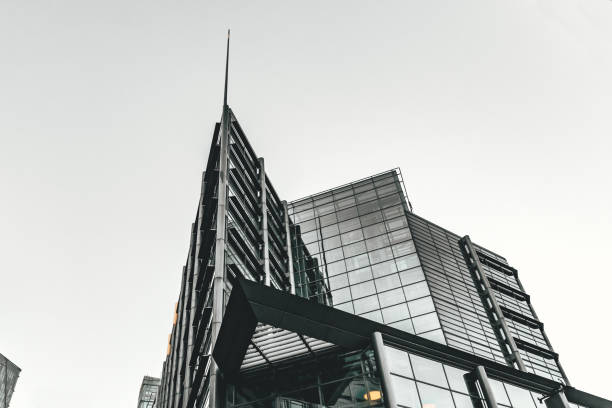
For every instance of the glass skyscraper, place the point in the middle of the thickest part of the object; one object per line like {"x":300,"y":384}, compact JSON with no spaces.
{"x":346,"y":298}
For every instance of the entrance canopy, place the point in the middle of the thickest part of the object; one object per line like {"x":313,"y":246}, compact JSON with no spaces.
{"x":264,"y":326}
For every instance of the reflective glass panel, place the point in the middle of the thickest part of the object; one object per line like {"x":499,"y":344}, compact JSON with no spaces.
{"x":428,"y":371}
{"x":519,"y":397}
{"x":456,"y":379}
{"x":434,"y":397}
{"x":405,"y":392}
{"x":399,"y":362}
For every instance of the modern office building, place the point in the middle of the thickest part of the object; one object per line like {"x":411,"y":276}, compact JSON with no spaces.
{"x":9,"y":373}
{"x":148,"y":392}
{"x":346,"y":298}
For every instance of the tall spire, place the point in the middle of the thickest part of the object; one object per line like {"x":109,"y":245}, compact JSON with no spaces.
{"x":226,"y":66}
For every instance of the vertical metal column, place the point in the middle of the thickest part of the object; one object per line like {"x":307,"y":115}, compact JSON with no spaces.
{"x":219,"y":274}
{"x":383,"y":369}
{"x":264,"y":221}
{"x":487,"y":391}
{"x":502,"y":332}
{"x":194,"y":294}
{"x":289,"y":250}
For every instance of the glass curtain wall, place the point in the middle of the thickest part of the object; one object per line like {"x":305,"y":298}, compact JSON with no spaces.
{"x":333,"y":380}
{"x":355,"y":243}
{"x":421,"y":382}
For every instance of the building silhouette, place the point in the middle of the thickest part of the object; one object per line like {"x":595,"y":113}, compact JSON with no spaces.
{"x":346,"y":298}
{"x":9,"y":373}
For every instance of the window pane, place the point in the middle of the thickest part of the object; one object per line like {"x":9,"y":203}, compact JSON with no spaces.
{"x":332,"y":243}
{"x":435,"y":397}
{"x":366,"y":304}
{"x":434,"y":335}
{"x":380,"y":255}
{"x":330,"y":231}
{"x":421,"y":306}
{"x":462,"y":401}
{"x":405,"y":325}
{"x":357,"y":262}
{"x":407,"y":262}
{"x":428,"y":371}
{"x":366,"y":196}
{"x":456,"y":379}
{"x":390,"y":200}
{"x":345,"y":203}
{"x":352,"y":236}
{"x":349,"y":225}
{"x":336,"y":268}
{"x":383,"y":269}
{"x":374,"y":230}
{"x":519,"y":397}
{"x":416,"y":290}
{"x":393,"y":212}
{"x":354,"y":249}
{"x":391,"y":297}
{"x":426,"y":323}
{"x":387,"y":283}
{"x":360,"y":275}
{"x":341,"y":295}
{"x":368,"y":207}
{"x":396,"y":223}
{"x":405,"y":392}
{"x":395,"y":313}
{"x":347,"y":214}
{"x":371,"y":218}
{"x":377,"y":242}
{"x":403,"y":248}
{"x":411,"y":276}
{"x":499,"y":392}
{"x":328,"y":219}
{"x":399,"y":235}
{"x":334,"y":255}
{"x":398,"y":361}
{"x":337,"y":282}
{"x":347,"y":307}
{"x":373,"y":315}
{"x":324,"y":206}
{"x":363,"y":289}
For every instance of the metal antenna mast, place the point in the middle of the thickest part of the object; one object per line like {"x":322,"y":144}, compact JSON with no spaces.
{"x":226,"y":68}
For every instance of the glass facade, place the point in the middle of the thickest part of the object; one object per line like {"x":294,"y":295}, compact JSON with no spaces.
{"x":348,"y":379}
{"x":421,"y":382}
{"x":9,"y":373}
{"x":355,"y":242}
{"x":465,"y":322}
{"x":358,"y":248}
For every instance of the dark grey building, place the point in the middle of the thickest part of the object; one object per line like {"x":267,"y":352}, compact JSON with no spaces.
{"x":9,"y":373}
{"x":148,"y":392}
{"x":346,"y":298}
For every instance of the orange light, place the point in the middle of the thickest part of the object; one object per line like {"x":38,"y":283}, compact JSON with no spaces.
{"x":373,"y":395}
{"x":429,"y":405}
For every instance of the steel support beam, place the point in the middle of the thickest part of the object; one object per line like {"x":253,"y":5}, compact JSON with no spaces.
{"x":219,"y":274}
{"x":289,"y":249}
{"x":264,"y":221}
{"x":496,"y":316}
{"x":384,"y":371}
{"x":487,"y":391}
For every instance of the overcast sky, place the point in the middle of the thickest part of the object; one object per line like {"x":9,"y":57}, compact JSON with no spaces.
{"x":497,"y":112}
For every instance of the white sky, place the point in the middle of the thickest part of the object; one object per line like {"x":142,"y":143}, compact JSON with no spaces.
{"x":497,"y":112}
